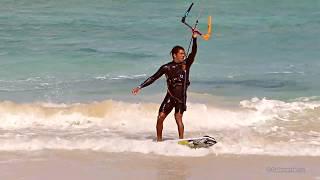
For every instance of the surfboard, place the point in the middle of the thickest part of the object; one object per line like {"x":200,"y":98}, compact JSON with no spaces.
{"x":200,"y":142}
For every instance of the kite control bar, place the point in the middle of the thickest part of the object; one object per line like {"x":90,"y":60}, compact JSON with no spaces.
{"x":204,"y":36}
{"x":183,"y":20}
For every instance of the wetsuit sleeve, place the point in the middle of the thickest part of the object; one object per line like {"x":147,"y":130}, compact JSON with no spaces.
{"x":153,"y":78}
{"x":193,"y":53}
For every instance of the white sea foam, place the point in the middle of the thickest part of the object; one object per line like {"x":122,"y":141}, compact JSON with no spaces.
{"x":119,"y":115}
{"x":113,"y":126}
{"x":109,"y":77}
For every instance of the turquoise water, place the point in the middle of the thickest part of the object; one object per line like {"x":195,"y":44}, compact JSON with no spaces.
{"x":71,"y":51}
{"x":67,"y":69}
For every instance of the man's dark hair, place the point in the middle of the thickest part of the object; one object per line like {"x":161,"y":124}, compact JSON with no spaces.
{"x":175,"y":50}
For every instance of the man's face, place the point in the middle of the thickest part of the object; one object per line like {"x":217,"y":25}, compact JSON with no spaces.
{"x":179,"y":57}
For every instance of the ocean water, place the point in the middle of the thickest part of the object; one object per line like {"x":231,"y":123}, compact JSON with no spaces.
{"x":67,"y":69}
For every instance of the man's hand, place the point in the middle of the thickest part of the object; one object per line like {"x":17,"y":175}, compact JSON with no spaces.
{"x":135,"y":90}
{"x":195,"y":33}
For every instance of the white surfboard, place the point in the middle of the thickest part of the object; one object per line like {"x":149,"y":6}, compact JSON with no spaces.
{"x":200,"y":142}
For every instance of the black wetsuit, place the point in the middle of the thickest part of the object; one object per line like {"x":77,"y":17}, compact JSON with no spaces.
{"x":177,"y":75}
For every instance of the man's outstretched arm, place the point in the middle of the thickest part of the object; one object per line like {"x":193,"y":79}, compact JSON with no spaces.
{"x":150,"y":80}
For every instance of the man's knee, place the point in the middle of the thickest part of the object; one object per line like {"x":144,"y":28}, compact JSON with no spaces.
{"x":162,"y":116}
{"x":178,"y":115}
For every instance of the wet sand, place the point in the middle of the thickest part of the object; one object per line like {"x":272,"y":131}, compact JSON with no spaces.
{"x":89,"y":165}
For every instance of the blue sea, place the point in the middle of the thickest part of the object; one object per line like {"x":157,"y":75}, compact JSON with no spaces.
{"x":67,"y":69}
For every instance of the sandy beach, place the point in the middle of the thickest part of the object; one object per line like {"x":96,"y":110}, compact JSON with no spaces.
{"x":67,"y":70}
{"x":88,"y":165}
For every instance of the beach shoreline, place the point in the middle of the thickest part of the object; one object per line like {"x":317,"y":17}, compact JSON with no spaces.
{"x":83,"y":165}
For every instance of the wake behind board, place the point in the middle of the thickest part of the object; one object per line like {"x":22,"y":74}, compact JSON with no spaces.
{"x":201,"y":142}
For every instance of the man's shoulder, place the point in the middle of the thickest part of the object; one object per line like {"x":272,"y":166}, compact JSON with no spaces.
{"x":167,"y":65}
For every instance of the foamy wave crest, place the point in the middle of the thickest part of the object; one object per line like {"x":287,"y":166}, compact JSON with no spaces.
{"x":120,"y":115}
{"x":279,"y":109}
{"x":105,"y":114}
{"x":142,"y":116}
{"x":257,"y":126}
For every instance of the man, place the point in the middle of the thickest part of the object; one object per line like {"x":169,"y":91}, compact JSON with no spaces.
{"x":177,"y":75}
